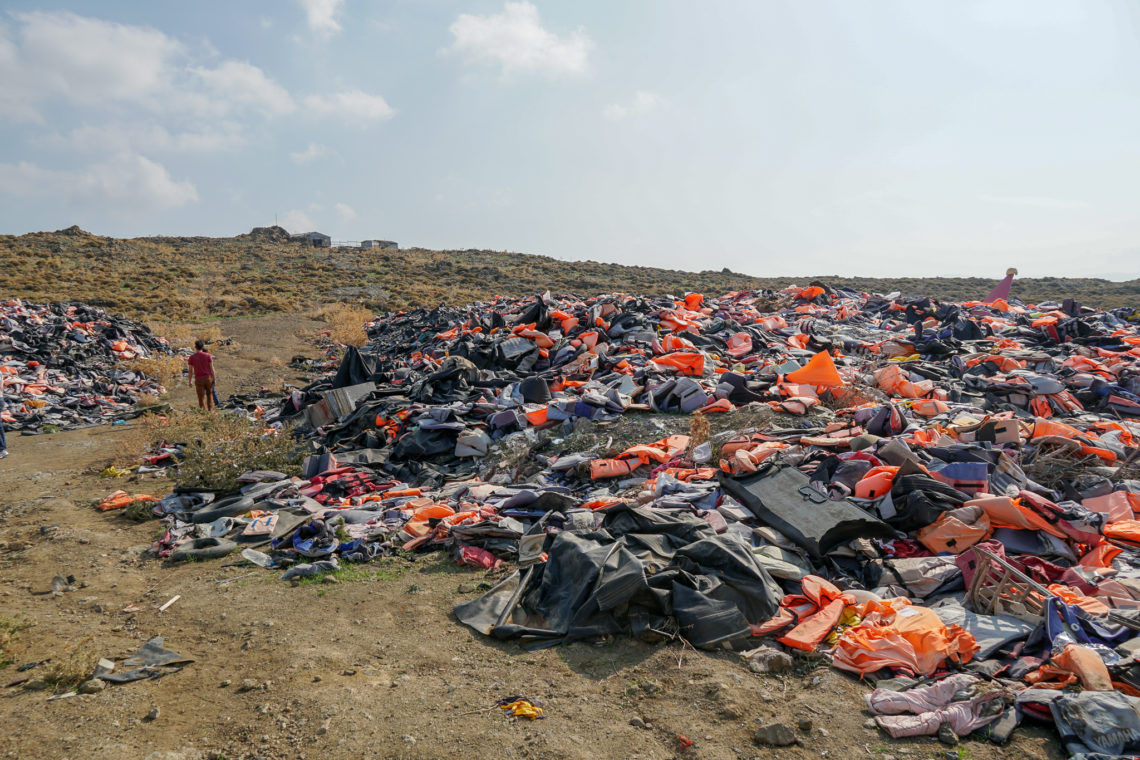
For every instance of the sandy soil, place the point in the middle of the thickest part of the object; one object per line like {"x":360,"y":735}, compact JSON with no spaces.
{"x":370,"y":668}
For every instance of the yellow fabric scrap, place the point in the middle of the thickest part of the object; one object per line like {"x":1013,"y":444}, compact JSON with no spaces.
{"x":523,"y":709}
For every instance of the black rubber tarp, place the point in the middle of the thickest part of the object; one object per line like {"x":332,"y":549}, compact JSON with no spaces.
{"x":645,"y":572}
{"x":783,"y":498}
{"x":354,"y":369}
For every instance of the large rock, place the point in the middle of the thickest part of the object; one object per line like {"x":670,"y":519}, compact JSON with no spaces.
{"x":769,"y":660}
{"x":776,"y":735}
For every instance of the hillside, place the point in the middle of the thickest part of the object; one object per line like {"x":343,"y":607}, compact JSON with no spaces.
{"x":263,"y":271}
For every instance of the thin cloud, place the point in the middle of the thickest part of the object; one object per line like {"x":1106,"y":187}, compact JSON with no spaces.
{"x":240,"y":83}
{"x":356,"y":106}
{"x":346,"y":212}
{"x":312,"y":153}
{"x":297,"y":221}
{"x":323,"y":16}
{"x":83,"y":61}
{"x":101,"y":66}
{"x":125,"y":181}
{"x":1033,"y":201}
{"x":142,"y":138}
{"x":643,"y":102}
{"x":517,"y":42}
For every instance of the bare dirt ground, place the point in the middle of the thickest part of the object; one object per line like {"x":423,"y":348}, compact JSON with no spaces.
{"x":374,"y":667}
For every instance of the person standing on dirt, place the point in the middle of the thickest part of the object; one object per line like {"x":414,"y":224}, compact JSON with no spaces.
{"x":202,"y":375}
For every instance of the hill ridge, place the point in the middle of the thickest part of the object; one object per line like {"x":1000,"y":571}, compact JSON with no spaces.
{"x":185,"y":277}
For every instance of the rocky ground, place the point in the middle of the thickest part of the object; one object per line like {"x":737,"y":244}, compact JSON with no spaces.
{"x":371,"y":666}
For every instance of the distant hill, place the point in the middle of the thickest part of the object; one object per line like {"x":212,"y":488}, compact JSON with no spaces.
{"x":264,"y":271}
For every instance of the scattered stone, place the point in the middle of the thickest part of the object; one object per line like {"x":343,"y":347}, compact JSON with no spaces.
{"x":947,"y":736}
{"x":247,"y":684}
{"x":329,"y":578}
{"x":152,"y":715}
{"x":316,"y":679}
{"x":636,"y":722}
{"x":870,"y":724}
{"x":92,"y":686}
{"x":776,"y":735}
{"x":408,"y":739}
{"x":325,"y":725}
{"x":224,"y":683}
{"x":804,"y":724}
{"x":35,"y":685}
{"x":349,"y":672}
{"x":769,"y":660}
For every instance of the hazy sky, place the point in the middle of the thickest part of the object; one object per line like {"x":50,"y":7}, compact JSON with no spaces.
{"x":773,"y":138}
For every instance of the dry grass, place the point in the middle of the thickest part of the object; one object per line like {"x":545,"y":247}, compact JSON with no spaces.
{"x":152,"y":429}
{"x":178,"y":335}
{"x":76,"y":664}
{"x":188,"y":277}
{"x":216,"y":462}
{"x":139,"y":511}
{"x":346,"y":323}
{"x":851,"y":395}
{"x":162,"y":368}
{"x":698,"y":430}
{"x":10,"y":628}
{"x":219,"y":447}
{"x":148,"y":399}
{"x":209,"y":335}
{"x":1052,"y":464}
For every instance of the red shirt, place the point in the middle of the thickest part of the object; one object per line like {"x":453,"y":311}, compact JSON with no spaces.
{"x":202,"y":364}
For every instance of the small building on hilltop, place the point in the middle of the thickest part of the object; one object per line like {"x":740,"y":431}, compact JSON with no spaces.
{"x":379,"y":244}
{"x":315,"y":239}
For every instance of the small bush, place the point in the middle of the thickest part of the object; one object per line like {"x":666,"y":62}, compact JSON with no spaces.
{"x":215,"y":460}
{"x":162,"y":368}
{"x":76,"y":664}
{"x":177,"y":335}
{"x":10,"y":628}
{"x":219,"y":447}
{"x":148,"y":399}
{"x":346,"y":324}
{"x":698,"y":429}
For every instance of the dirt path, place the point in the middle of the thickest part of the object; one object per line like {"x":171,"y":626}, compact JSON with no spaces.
{"x":373,"y":667}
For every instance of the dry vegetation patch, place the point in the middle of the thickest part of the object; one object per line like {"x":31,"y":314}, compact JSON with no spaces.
{"x":248,"y":275}
{"x":346,"y":323}
{"x":218,"y":447}
{"x":10,"y":628}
